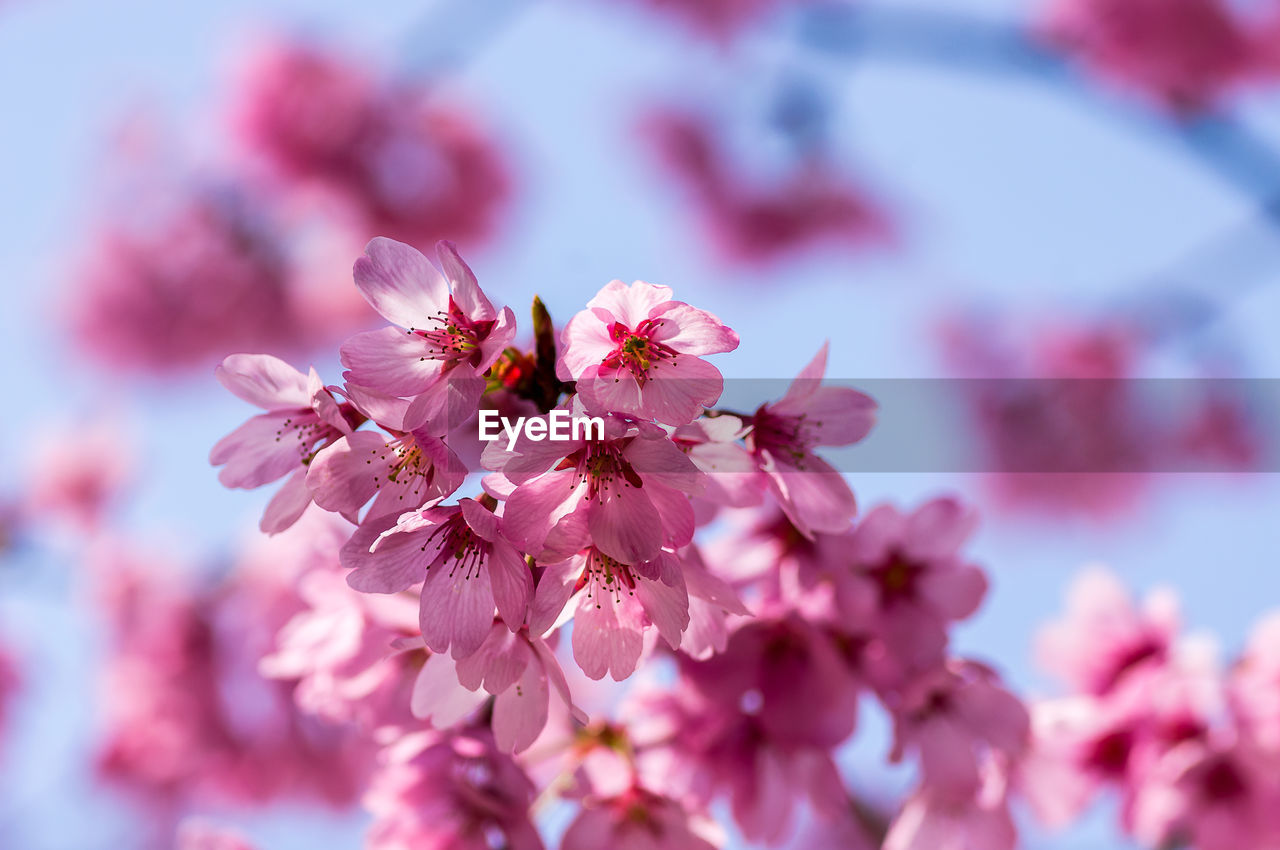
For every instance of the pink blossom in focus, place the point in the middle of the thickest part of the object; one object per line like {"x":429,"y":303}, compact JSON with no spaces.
{"x":469,"y":567}
{"x":451,"y":332}
{"x":812,"y":493}
{"x":753,"y":222}
{"x":451,"y":790}
{"x":615,"y":603}
{"x":390,"y":155}
{"x":518,"y":669}
{"x":399,"y":471}
{"x":626,"y":494}
{"x":637,"y":352}
{"x":302,"y":417}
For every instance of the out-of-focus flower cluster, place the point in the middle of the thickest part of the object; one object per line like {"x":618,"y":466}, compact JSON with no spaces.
{"x":1183,"y":54}
{"x":192,"y":262}
{"x":1064,"y":423}
{"x":443,"y":646}
{"x":1191,"y":749}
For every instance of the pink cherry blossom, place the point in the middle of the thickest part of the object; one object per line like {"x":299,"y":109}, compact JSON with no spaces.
{"x":1104,"y":636}
{"x":784,"y":434}
{"x":637,"y":820}
{"x":451,"y":333}
{"x":342,"y":652}
{"x":732,"y":478}
{"x":1214,"y":795}
{"x":713,"y":605}
{"x":953,"y":718}
{"x":467,"y":564}
{"x":697,"y":745}
{"x":1059,"y":427}
{"x":626,"y":494}
{"x":449,"y":789}
{"x":302,"y":418}
{"x":1082,"y":744}
{"x":377,"y":151}
{"x":637,"y":352}
{"x":518,"y":669}
{"x":615,"y":603}
{"x":742,"y":723}
{"x":901,"y":577}
{"x":399,"y":471}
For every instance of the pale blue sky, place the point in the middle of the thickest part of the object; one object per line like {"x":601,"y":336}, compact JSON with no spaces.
{"x":1009,"y":195}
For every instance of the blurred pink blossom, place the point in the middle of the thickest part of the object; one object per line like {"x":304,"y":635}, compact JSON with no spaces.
{"x":10,"y":686}
{"x":1184,"y":54}
{"x":391,"y":155}
{"x":183,"y":286}
{"x":717,"y":19}
{"x":78,"y":473}
{"x":449,"y":789}
{"x":636,"y":820}
{"x":187,"y":718}
{"x":197,"y":834}
{"x":753,"y":222}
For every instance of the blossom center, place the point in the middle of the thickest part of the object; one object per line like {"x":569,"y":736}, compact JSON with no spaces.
{"x":452,"y":336}
{"x":602,"y":574}
{"x":308,"y":430}
{"x":635,"y":351}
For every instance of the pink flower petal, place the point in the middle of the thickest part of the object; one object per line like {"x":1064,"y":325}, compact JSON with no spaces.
{"x":400,"y":283}
{"x":457,"y":608}
{"x":287,"y":505}
{"x":265,"y":381}
{"x":390,"y":361}
{"x":466,"y":290}
{"x":520,"y":712}
{"x":607,"y":636}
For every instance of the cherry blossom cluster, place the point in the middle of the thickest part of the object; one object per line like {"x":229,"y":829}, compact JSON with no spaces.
{"x":1191,"y":749}
{"x":437,"y":628}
